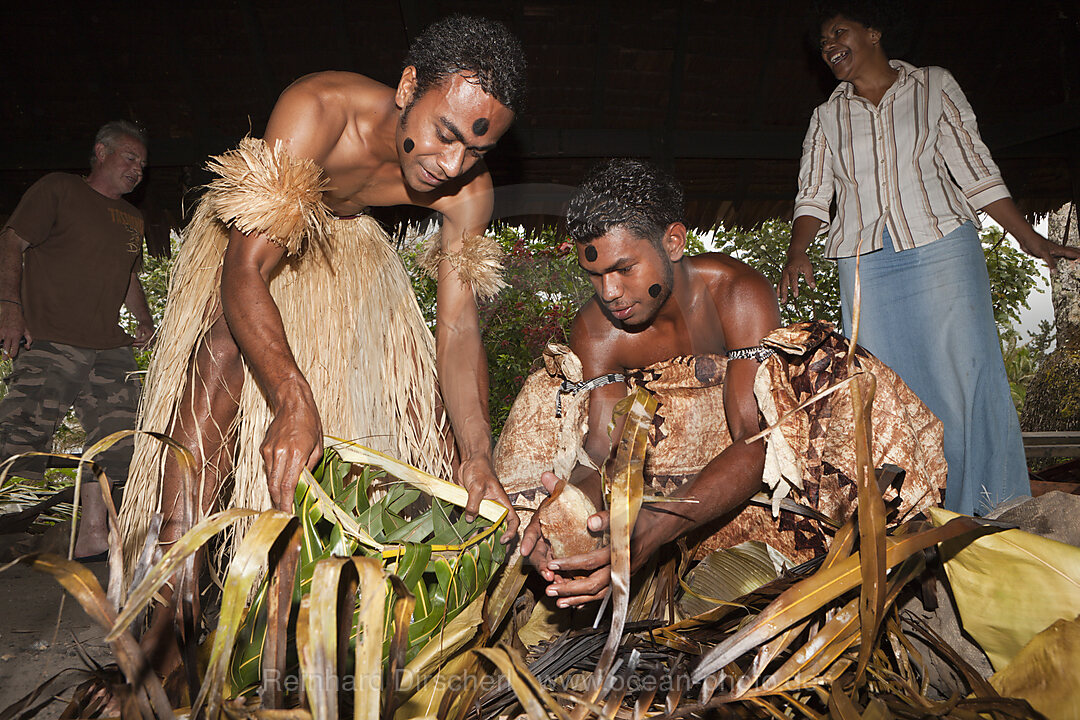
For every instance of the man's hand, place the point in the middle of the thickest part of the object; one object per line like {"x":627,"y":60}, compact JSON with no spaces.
{"x":144,"y":336}
{"x":478,"y":477}
{"x":534,"y":547}
{"x":1048,"y":251}
{"x":798,"y":263}
{"x":12,"y":329}
{"x":595,"y":565}
{"x":293,"y":441}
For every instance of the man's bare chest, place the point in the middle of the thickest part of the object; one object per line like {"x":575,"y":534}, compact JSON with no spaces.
{"x":352,"y":187}
{"x":697,"y":336}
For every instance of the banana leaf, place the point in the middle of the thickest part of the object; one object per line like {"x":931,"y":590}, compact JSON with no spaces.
{"x":1044,"y":672}
{"x":1009,"y":586}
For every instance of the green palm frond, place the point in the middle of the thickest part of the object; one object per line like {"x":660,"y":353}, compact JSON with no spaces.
{"x":348,"y":509}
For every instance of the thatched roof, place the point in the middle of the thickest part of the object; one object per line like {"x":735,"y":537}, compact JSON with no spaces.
{"x":719,"y":90}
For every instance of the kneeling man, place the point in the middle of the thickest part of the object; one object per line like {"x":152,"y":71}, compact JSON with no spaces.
{"x":703,"y":334}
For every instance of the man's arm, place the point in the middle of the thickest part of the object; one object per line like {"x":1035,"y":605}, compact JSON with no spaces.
{"x":459,"y":352}
{"x":135,"y":301}
{"x":12,"y":322}
{"x":591,"y":340}
{"x":294,"y":439}
{"x":729,"y":480}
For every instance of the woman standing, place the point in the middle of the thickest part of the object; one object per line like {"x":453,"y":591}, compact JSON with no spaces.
{"x":899,"y":148}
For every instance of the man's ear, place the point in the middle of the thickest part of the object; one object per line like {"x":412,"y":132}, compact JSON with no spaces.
{"x":406,"y":88}
{"x":100,"y":151}
{"x":674,"y":241}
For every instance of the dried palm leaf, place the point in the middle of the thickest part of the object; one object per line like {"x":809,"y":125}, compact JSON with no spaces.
{"x":624,"y":486}
{"x":454,"y":635}
{"x":798,"y":602}
{"x":532,"y":696}
{"x":247,"y":565}
{"x":368,"y":654}
{"x":319,"y":665}
{"x":84,"y":587}
{"x":190,"y":543}
{"x":871,"y":516}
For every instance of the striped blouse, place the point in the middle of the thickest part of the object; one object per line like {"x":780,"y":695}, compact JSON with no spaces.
{"x":889,"y":166}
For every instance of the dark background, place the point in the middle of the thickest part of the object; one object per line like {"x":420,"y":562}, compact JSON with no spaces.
{"x":720,"y":92}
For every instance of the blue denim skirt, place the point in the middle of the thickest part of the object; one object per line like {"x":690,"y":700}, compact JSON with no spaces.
{"x":927,"y":314}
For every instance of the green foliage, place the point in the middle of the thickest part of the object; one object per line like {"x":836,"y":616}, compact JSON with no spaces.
{"x":1023,"y":360}
{"x":154,"y":277}
{"x":443,"y":561}
{"x":1013,"y":275}
{"x":765,"y":249}
{"x":545,"y":290}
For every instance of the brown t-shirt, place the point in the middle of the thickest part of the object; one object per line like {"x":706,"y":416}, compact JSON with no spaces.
{"x":83,"y":247}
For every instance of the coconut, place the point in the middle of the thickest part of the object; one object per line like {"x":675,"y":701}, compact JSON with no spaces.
{"x":563,"y":517}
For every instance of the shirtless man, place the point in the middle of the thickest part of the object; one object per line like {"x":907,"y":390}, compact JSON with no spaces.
{"x":652,"y":304}
{"x":421,"y":143}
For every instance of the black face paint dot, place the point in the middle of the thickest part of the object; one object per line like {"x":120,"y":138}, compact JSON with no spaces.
{"x":590,"y":253}
{"x":655,"y":290}
{"x":480,"y":126}
{"x":408,"y":145}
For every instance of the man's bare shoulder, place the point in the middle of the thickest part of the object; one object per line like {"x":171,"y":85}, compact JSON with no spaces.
{"x":728,"y":278}
{"x":596,"y":340}
{"x":335,"y":87}
{"x":744,"y":298}
{"x":326,"y":100}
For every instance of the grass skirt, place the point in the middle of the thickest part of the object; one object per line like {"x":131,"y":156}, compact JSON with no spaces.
{"x":357,"y":334}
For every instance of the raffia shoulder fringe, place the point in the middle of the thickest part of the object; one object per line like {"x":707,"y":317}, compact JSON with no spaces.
{"x":478,"y":263}
{"x":270,"y":191}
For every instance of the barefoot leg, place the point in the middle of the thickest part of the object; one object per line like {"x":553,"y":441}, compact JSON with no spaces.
{"x":208,"y":407}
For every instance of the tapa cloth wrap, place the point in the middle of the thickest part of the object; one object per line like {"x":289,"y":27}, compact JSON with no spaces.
{"x":811,"y":458}
{"x":350,"y":316}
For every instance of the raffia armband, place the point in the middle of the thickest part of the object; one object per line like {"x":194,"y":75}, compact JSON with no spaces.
{"x":271,"y":192}
{"x":478,"y":263}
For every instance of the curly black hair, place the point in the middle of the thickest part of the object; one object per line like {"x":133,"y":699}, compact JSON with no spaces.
{"x":892,"y":19}
{"x":633,"y":194}
{"x":475,"y":47}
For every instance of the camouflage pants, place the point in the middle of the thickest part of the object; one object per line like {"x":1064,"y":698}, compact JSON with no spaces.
{"x":47,"y":380}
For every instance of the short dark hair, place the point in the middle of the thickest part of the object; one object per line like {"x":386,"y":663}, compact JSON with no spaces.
{"x":632,"y":194}
{"x":891,"y":19}
{"x":867,"y":12}
{"x":112,"y":131}
{"x":473,"y":47}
